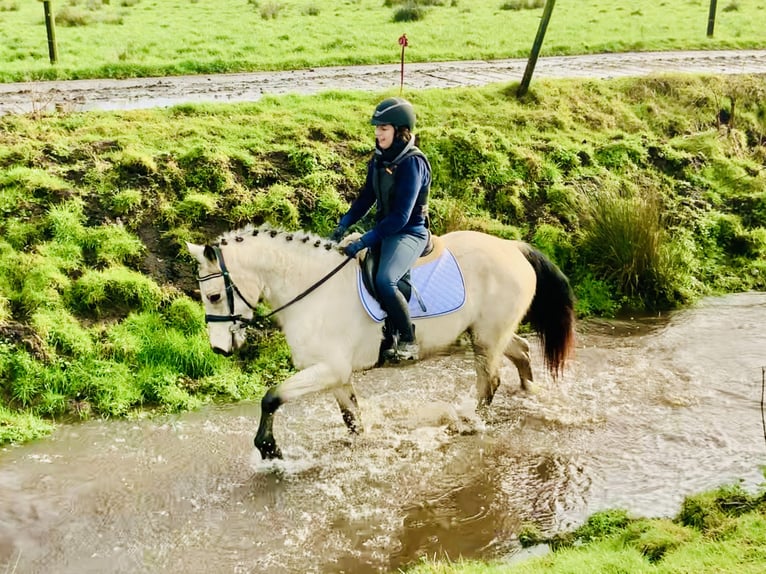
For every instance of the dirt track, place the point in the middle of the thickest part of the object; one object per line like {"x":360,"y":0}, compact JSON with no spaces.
{"x":78,"y":95}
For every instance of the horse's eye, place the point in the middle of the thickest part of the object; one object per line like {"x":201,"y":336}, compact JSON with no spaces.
{"x":215,"y":298}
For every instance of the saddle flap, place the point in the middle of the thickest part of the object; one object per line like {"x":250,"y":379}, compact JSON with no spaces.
{"x":369,"y":268}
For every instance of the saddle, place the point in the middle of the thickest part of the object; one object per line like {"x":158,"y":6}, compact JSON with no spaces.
{"x":435,"y":286}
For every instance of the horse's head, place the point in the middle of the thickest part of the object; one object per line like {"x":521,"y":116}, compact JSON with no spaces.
{"x":227,"y":312}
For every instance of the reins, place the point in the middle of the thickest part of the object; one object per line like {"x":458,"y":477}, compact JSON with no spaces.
{"x":310,"y":289}
{"x":231,"y":288}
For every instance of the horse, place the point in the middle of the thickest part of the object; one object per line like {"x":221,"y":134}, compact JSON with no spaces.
{"x":314,"y":294}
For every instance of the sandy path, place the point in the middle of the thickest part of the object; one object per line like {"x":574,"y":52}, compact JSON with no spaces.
{"x":139,"y":93}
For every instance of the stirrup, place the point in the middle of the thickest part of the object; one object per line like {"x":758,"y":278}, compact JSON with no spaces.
{"x":403,"y":351}
{"x":390,"y":352}
{"x":409,"y":351}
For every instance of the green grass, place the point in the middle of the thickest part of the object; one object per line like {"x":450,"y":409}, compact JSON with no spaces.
{"x":150,"y":37}
{"x":19,"y":427}
{"x":717,"y":532}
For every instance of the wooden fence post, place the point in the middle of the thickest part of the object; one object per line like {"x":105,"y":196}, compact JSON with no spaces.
{"x":547,"y":11}
{"x":711,"y":18}
{"x":50,"y":26}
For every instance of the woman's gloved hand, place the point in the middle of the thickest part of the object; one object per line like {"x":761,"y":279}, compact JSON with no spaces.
{"x":353,"y":248}
{"x":338,"y":233}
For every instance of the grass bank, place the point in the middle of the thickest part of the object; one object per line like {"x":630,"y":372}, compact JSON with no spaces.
{"x":647,"y":192}
{"x":129,"y":38}
{"x":717,"y":532}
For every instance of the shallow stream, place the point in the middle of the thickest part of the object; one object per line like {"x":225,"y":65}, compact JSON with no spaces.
{"x":650,"y":410}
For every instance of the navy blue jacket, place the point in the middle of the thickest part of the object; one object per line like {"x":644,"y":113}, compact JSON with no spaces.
{"x":411,"y":176}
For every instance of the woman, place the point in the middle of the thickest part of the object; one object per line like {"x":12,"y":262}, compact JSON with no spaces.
{"x":398,"y":182}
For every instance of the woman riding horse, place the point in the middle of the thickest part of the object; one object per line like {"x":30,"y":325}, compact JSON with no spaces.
{"x":398,"y":182}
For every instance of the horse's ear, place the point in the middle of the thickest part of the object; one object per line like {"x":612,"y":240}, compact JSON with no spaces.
{"x":200,"y":251}
{"x":209,"y":253}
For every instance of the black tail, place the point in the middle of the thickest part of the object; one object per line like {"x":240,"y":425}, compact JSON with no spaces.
{"x":551,"y":313}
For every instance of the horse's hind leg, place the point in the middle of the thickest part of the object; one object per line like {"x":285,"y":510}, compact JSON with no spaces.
{"x":349,"y":407}
{"x":487,"y":363}
{"x":517,"y":351}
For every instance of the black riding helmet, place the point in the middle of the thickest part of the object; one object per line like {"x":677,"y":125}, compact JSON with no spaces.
{"x":397,"y":112}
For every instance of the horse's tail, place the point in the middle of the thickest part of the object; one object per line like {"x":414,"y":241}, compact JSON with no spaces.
{"x":551,"y":313}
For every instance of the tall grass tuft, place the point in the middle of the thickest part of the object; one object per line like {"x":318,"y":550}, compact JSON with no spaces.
{"x":72,"y":16}
{"x":409,"y":13}
{"x":206,"y":168}
{"x":185,"y":315}
{"x":112,"y":244}
{"x":5,"y":307}
{"x":106,"y":387}
{"x":19,"y":427}
{"x":39,"y":283}
{"x":522,"y":5}
{"x":274,"y":205}
{"x":622,"y":238}
{"x":270,"y":10}
{"x":63,"y":332}
{"x":197,"y":206}
{"x":626,"y":243}
{"x":66,"y":221}
{"x":148,"y":340}
{"x":391,"y":3}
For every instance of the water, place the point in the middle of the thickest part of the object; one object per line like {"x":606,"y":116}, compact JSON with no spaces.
{"x":649,"y":411}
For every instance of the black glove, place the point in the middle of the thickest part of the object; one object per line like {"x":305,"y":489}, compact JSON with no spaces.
{"x":353,"y":248}
{"x":338,"y":233}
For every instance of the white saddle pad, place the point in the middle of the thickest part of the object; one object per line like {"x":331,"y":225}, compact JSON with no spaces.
{"x":439,"y":284}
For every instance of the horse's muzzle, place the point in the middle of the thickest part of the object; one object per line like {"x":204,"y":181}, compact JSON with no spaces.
{"x":219,"y":351}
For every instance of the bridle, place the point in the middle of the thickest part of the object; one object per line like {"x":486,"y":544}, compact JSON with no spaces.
{"x":236,"y":320}
{"x":231,"y":289}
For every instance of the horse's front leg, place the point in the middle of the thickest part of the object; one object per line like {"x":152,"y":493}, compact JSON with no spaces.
{"x":264,"y":438}
{"x":319,"y":377}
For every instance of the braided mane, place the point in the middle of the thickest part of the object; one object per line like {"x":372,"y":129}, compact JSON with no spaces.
{"x":239,"y":235}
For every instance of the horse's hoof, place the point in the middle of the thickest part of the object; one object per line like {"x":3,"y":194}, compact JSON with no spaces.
{"x":271,"y":453}
{"x":530,"y":387}
{"x":482,"y":410}
{"x":484,"y":404}
{"x":269,"y":450}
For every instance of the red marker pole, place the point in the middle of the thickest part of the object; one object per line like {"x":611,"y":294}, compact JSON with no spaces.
{"x":403,"y":43}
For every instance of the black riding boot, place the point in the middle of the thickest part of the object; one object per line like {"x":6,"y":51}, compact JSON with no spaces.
{"x":399,"y":316}
{"x":401,"y":330}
